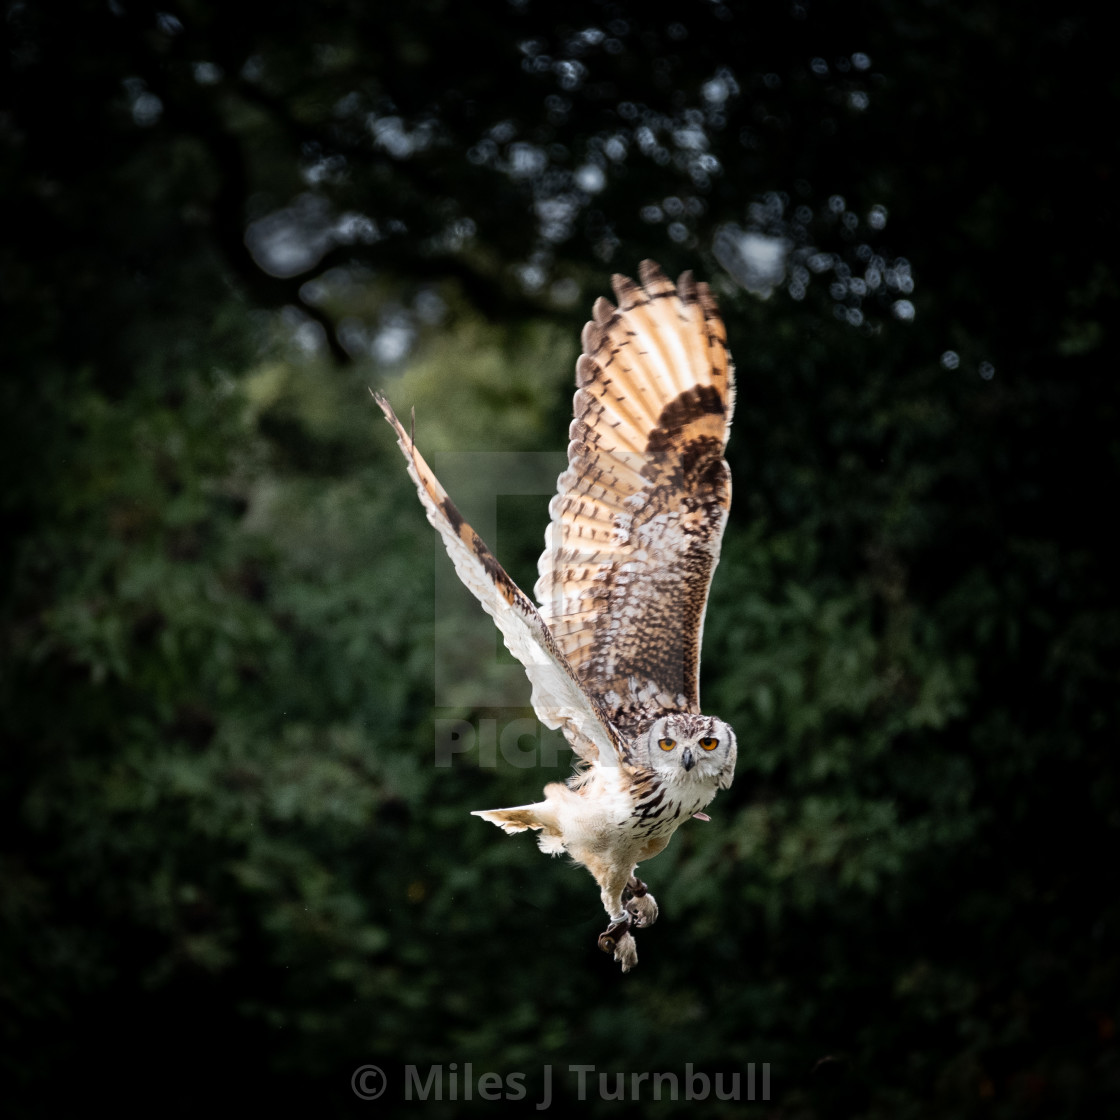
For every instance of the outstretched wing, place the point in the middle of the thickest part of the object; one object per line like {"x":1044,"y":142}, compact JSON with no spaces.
{"x":639,"y":514}
{"x":558,"y":698}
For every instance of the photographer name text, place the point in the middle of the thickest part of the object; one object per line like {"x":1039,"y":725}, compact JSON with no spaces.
{"x":451,"y":1083}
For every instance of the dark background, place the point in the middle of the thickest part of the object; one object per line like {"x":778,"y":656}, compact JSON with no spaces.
{"x":230,"y":870}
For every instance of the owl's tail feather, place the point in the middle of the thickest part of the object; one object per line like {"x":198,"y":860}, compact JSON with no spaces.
{"x":517,"y":819}
{"x":522,"y":817}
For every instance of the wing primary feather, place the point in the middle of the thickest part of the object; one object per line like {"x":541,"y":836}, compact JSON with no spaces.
{"x":558,"y":697}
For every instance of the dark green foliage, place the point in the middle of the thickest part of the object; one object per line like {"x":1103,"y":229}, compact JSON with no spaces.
{"x":232,"y":867}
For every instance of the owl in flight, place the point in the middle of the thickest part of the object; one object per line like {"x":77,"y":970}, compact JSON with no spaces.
{"x":612,"y":647}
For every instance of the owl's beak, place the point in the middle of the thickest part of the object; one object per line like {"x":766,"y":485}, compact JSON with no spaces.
{"x":687,"y":759}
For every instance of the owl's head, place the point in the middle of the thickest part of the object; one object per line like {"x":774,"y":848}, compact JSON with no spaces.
{"x":687,"y":746}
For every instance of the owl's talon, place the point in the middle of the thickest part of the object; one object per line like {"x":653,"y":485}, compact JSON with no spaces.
{"x":640,"y":904}
{"x":619,"y":941}
{"x":627,"y":952}
{"x":642,"y":909}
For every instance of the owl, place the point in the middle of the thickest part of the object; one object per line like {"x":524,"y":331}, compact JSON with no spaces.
{"x":612,"y":645}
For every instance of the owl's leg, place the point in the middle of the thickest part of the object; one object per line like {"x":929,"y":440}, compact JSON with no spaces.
{"x":642,"y":906}
{"x":616,"y":938}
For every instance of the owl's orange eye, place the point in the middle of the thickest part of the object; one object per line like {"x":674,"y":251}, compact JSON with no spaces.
{"x":709,"y":744}
{"x":666,"y":744}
